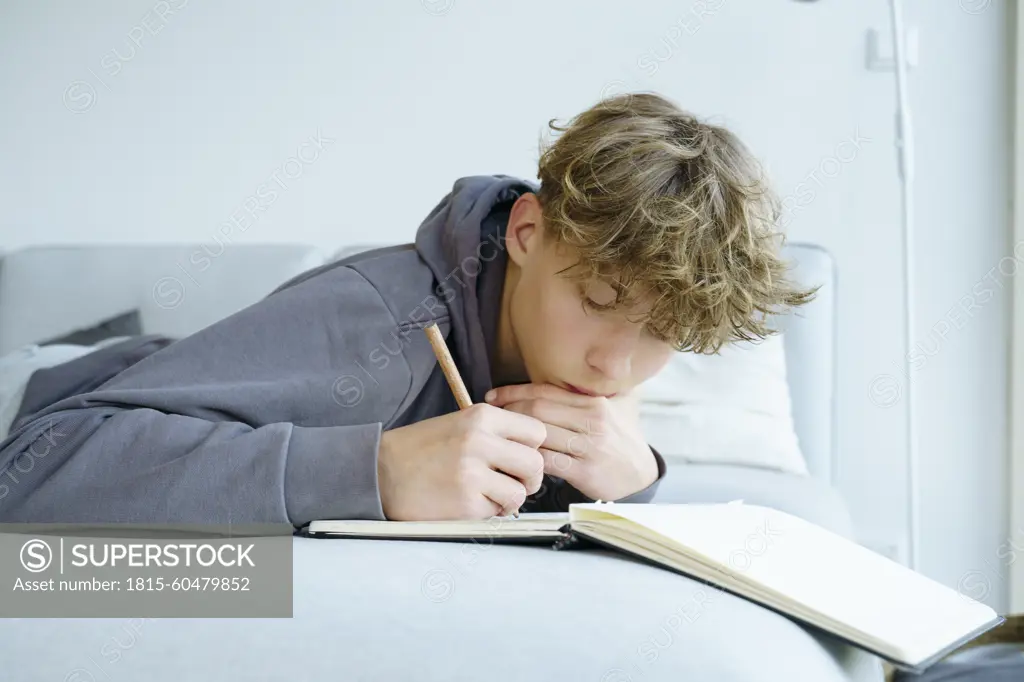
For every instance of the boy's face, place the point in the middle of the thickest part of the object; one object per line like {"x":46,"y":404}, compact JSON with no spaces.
{"x":560,"y":336}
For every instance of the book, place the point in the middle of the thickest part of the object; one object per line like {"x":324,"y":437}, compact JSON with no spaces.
{"x":780,"y":561}
{"x":532,"y":528}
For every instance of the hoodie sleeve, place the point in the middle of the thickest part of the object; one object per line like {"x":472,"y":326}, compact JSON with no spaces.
{"x":556,"y":494}
{"x":271,"y":415}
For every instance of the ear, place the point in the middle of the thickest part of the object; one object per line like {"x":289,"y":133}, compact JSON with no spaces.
{"x":525,"y":230}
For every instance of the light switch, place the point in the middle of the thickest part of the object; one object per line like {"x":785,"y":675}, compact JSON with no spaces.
{"x":880,"y":56}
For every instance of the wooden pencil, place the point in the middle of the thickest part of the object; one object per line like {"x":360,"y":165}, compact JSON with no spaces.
{"x":451,"y":372}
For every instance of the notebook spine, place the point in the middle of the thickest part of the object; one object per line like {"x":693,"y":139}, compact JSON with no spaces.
{"x":569,"y":540}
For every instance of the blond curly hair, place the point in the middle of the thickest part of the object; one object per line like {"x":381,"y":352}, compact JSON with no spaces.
{"x":661,"y":204}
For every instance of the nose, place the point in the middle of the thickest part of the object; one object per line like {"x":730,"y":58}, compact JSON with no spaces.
{"x":612,"y":355}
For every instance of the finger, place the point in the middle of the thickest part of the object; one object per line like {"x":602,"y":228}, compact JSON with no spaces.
{"x":513,"y":426}
{"x":572,"y":442}
{"x":518,"y":461}
{"x":505,"y":492}
{"x":558,"y":463}
{"x":569,"y":417}
{"x":485,"y":509}
{"x":507,"y":394}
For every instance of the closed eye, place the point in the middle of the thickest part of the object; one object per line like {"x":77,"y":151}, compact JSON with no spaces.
{"x":594,"y":305}
{"x":590,"y":304}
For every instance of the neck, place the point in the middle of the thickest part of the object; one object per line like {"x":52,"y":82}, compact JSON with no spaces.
{"x":508,"y":365}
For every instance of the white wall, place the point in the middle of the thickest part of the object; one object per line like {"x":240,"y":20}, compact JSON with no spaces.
{"x":106,"y":141}
{"x":962,"y":98}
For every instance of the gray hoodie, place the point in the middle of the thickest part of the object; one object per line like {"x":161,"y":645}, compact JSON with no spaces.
{"x":275,"y":413}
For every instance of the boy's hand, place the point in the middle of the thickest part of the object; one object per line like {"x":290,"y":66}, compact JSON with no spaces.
{"x":471,"y":464}
{"x":594,"y":443}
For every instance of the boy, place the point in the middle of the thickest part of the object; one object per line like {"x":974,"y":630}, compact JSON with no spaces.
{"x":650,"y":233}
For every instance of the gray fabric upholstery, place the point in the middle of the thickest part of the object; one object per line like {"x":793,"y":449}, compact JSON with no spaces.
{"x":47,"y":291}
{"x":448,"y":612}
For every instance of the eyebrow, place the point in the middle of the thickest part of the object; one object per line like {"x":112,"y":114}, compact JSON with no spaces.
{"x":621,"y":290}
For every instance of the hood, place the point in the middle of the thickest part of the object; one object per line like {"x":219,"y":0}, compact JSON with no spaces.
{"x":449,"y":242}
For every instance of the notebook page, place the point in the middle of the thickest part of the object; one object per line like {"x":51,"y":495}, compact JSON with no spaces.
{"x":816,"y":568}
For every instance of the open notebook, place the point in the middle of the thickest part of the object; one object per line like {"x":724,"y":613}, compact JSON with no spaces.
{"x":775,"y":559}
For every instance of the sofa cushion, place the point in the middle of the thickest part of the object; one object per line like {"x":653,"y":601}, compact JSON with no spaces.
{"x":732,"y":407}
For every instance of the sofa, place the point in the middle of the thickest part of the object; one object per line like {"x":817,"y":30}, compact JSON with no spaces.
{"x":394,"y":610}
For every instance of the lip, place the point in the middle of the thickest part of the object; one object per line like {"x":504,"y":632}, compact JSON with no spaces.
{"x":583,"y":391}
